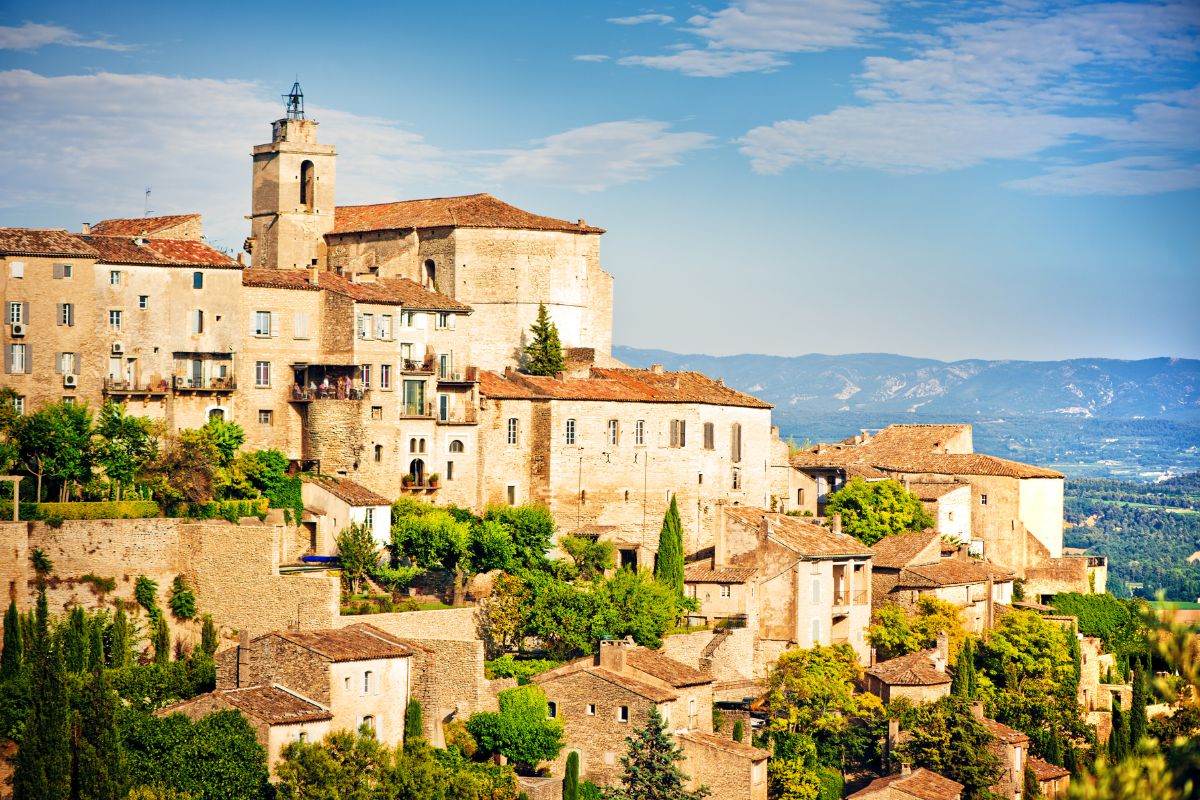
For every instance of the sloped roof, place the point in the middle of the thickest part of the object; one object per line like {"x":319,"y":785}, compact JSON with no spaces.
{"x":35,"y":242}
{"x":140,"y":226}
{"x":358,"y":642}
{"x":384,"y":291}
{"x":1003,"y":732}
{"x":353,"y":493}
{"x":908,"y":439}
{"x":803,"y":538}
{"x":740,"y":749}
{"x":898,"y":550}
{"x":158,"y":252}
{"x":1045,"y":771}
{"x":618,"y":385}
{"x":914,"y":669}
{"x":930,"y":492}
{"x":965,"y":464}
{"x":465,"y":211}
{"x":273,"y":705}
{"x":665,"y":668}
{"x":656,"y":694}
{"x":702,"y":572}
{"x":952,"y":572}
{"x":920,"y":784}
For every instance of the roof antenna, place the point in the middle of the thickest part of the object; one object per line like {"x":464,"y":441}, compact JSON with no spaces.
{"x":295,"y":102}
{"x":146,"y":208}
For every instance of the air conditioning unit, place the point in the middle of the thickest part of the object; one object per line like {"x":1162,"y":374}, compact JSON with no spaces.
{"x":70,"y":381}
{"x":118,"y":348}
{"x":18,"y":329}
{"x":181,"y":382}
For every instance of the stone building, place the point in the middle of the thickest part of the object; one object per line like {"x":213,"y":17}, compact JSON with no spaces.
{"x":601,"y":701}
{"x":1053,"y":781}
{"x":911,"y":784}
{"x":337,"y":503}
{"x":920,"y":677}
{"x":1012,"y":748}
{"x":909,"y":565}
{"x":361,"y":674}
{"x":792,"y":582}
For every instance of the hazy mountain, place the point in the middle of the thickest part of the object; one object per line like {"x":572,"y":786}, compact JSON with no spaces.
{"x":879,"y":383}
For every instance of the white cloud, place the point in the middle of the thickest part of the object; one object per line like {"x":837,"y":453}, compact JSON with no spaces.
{"x":642,"y":19}
{"x":592,"y":57}
{"x":32,"y":35}
{"x":595,"y":157}
{"x":710,"y":63}
{"x":1135,"y":175}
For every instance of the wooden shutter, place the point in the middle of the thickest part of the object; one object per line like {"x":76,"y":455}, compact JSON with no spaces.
{"x":8,"y":358}
{"x":58,"y":272}
{"x":28,"y":359}
{"x":253,"y":317}
{"x":58,"y":319}
{"x":274,"y":324}
{"x":58,"y":363}
{"x":25,"y":313}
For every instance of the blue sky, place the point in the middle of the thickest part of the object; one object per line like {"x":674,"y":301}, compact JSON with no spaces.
{"x":951,"y":180}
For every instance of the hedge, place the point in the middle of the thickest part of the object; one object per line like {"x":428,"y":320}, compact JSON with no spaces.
{"x":109,"y":509}
{"x":231,"y":510}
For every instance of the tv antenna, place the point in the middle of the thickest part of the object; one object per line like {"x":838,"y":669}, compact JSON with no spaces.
{"x":146,"y":208}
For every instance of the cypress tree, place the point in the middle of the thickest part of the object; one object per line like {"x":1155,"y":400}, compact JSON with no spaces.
{"x":544,"y":354}
{"x":75,"y":641}
{"x":413,"y":726}
{"x":1031,"y":789}
{"x":100,"y":762}
{"x":1119,"y":737}
{"x":162,"y":640}
{"x":42,"y":768}
{"x":118,"y":654}
{"x":96,"y":647}
{"x":972,"y":675}
{"x":1137,"y":707}
{"x":964,"y":672}
{"x":208,"y":637}
{"x":1054,"y":752}
{"x":668,"y":565}
{"x":650,"y":768}
{"x":739,"y":730}
{"x":1076,"y":659}
{"x":571,"y":779}
{"x":14,"y":645}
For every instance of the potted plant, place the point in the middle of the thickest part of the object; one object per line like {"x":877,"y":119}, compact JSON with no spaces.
{"x":433,"y":480}
{"x":407,"y":479}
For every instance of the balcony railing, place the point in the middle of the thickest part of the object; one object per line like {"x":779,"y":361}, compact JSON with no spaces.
{"x":458,"y":416}
{"x":468,"y":375}
{"x":849,"y":598}
{"x":116,"y":386}
{"x":423,"y":367}
{"x":303,"y":394}
{"x":416,"y":411}
{"x":187,"y":383}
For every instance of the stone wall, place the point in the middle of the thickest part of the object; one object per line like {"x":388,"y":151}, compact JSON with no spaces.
{"x":456,"y":624}
{"x":725,"y":773}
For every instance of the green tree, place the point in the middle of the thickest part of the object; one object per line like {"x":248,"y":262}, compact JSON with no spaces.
{"x":1118,"y":739}
{"x":650,"y":769}
{"x":944,"y":737}
{"x":56,"y":442}
{"x":1031,"y":789}
{"x":124,"y":445}
{"x":532,"y":530}
{"x":636,"y":605}
{"x":96,"y":655}
{"x":570,"y":790}
{"x":10,"y":450}
{"x":739,"y":730}
{"x":42,"y":768}
{"x":359,"y":554}
{"x":226,"y":437}
{"x":413,"y":728}
{"x":897,"y":633}
{"x":814,"y":692}
{"x":592,"y":557}
{"x":668,"y":563}
{"x":490,"y":546}
{"x":121,"y":647}
{"x":435,"y":540}
{"x":871,"y":511}
{"x":185,"y":469}
{"x":1138,"y":722}
{"x":965,"y":682}
{"x":99,"y":759}
{"x":208,"y":637}
{"x":522,"y":730}
{"x":181,"y":600}
{"x":544,"y":353}
{"x":12,"y":656}
{"x":161,"y":640}
{"x":503,"y":617}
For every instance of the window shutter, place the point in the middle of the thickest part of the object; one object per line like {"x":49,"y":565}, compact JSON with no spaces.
{"x":58,"y":364}
{"x":77,"y":364}
{"x":59,"y":314}
{"x":301,"y":324}
{"x":58,"y":271}
{"x":28,"y":359}
{"x":253,"y":317}
{"x":274,"y":324}
{"x":25,"y":313}
{"x":8,"y":359}
{"x":683,"y":433}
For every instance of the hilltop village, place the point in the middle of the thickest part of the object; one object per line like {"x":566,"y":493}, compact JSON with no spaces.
{"x":318,"y":492}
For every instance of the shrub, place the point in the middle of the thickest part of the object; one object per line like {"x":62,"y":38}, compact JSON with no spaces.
{"x":99,"y":585}
{"x":111,"y":509}
{"x":182,"y":601}
{"x":456,"y":735}
{"x":507,"y":666}
{"x":231,"y":510}
{"x":145,"y":591}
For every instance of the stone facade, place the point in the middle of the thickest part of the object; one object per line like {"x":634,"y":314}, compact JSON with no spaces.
{"x":727,"y":768}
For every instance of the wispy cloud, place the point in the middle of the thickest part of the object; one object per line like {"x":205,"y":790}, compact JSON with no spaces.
{"x":1019,"y":87}
{"x":756,"y":35}
{"x":643,"y":19}
{"x":595,"y":157}
{"x":593,"y":57}
{"x":32,"y":36}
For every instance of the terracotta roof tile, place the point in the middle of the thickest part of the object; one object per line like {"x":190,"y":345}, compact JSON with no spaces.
{"x":899,"y":550}
{"x":1003,"y":732}
{"x":358,"y":642}
{"x":727,"y":745}
{"x":140,"y":226}
{"x":296,"y":279}
{"x":965,"y":464}
{"x":866,"y":472}
{"x":930,"y":492}
{"x":920,"y":784}
{"x":466,"y":211}
{"x":704,"y":573}
{"x":665,"y":668}
{"x":914,"y":669}
{"x":952,"y":572}
{"x":656,"y":694}
{"x":618,"y":385}
{"x":804,"y":538}
{"x":1045,"y":771}
{"x":273,"y":705}
{"x":34,"y":242}
{"x":353,"y":493}
{"x":158,"y":252}
{"x":910,"y":439}
{"x":384,"y":291}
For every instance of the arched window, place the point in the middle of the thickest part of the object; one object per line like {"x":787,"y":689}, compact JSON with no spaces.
{"x":412,"y":445}
{"x":416,"y":468}
{"x":735,"y":443}
{"x":421,"y":446}
{"x":306,"y":185}
{"x":378,"y":453}
{"x":430,"y":272}
{"x":456,"y":446}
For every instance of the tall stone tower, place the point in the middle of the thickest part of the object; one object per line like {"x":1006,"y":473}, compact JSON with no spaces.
{"x":292,"y":194}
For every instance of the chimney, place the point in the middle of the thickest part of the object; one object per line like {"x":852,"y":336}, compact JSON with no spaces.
{"x":243,"y":660}
{"x":719,"y":549}
{"x":314,"y":275}
{"x":835,"y":522}
{"x":906,"y":769}
{"x":612,"y":654}
{"x":656,"y":369}
{"x":977,"y":709}
{"x":85,"y":229}
{"x":582,"y":222}
{"x":241,"y":258}
{"x":873,"y":657}
{"x":866,"y":436}
{"x":720,"y":381}
{"x":943,"y":651}
{"x":989,"y":608}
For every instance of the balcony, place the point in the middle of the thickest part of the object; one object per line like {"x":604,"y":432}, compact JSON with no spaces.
{"x":411,"y":367}
{"x":416,"y":411}
{"x":301,"y":394}
{"x":458,"y":416}
{"x":464,"y":376}
{"x":186,"y":383}
{"x":842,"y":600}
{"x":420,"y":488}
{"x":122,"y":388}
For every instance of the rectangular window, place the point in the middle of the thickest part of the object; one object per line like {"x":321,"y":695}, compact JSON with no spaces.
{"x":366,"y":324}
{"x":385,"y":376}
{"x":16,"y":269}
{"x":512,"y":495}
{"x":262,"y":373}
{"x":816,"y":590}
{"x":114,"y":320}
{"x":799,"y":497}
{"x":369,"y":517}
{"x":735,"y":443}
{"x":983,"y":499}
{"x":449,"y":470}
{"x":513,"y":430}
{"x":614,"y":431}
{"x":143,"y":302}
{"x":414,"y":399}
{"x":737,"y":479}
{"x":366,"y":376}
{"x":444,"y":407}
{"x":708,"y":436}
{"x":384,"y":331}
{"x":443,"y":320}
{"x":552,"y":709}
{"x":591,"y":709}
{"x":197,"y":321}
{"x":725,"y":590}
{"x":19,"y":405}
{"x":18,"y":360}
{"x":622,"y":713}
{"x":66,"y":314}
{"x":410,"y":319}
{"x":16,"y":313}
{"x":300,"y":321}
{"x":367,"y":682}
{"x":570,"y":431}
{"x":197,"y":280}
{"x":68,"y":401}
{"x":262,"y":323}
{"x":114,"y":278}
{"x":66,"y":363}
{"x":265,"y":416}
{"x":678,"y":433}
{"x":376,"y":412}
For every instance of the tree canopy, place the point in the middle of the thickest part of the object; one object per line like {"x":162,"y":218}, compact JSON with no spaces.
{"x":544,"y":353}
{"x":871,"y":511}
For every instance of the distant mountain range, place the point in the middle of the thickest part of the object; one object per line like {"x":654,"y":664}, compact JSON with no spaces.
{"x":974,"y":389}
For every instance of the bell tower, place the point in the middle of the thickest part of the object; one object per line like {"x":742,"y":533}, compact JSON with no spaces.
{"x":292,"y":193}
